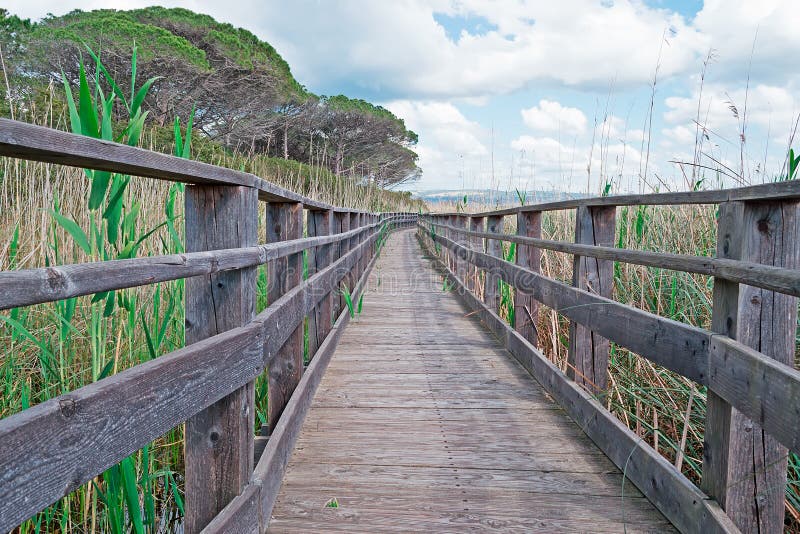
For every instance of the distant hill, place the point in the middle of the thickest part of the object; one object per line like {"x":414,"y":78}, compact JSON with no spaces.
{"x":490,"y":197}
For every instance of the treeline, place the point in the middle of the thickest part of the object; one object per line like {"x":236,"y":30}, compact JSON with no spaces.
{"x":241,"y":90}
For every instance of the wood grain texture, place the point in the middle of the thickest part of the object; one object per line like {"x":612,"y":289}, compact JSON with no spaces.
{"x":587,"y":356}
{"x":476,"y":224}
{"x":33,"y":286}
{"x":219,"y":439}
{"x":284,"y":221}
{"x":491,"y":292}
{"x":786,"y":190}
{"x":450,"y":466}
{"x":526,"y":309}
{"x":674,"y":345}
{"x":747,"y":466}
{"x":320,"y":320}
{"x":674,"y":495}
{"x":767,"y":276}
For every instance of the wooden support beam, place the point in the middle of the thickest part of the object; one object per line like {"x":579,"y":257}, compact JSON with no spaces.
{"x":494,"y":247}
{"x":320,"y":223}
{"x":526,"y":309}
{"x":588,"y":352}
{"x":219,"y":439}
{"x":476,"y":224}
{"x":744,"y":468}
{"x":284,"y":221}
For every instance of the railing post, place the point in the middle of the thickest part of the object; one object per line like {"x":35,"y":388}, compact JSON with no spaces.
{"x":284,"y":222}
{"x":476,"y":243}
{"x":344,"y":247}
{"x":526,"y":309}
{"x":460,"y":221}
{"x":319,"y":223}
{"x":743,"y":467}
{"x":588,"y":352}
{"x":494,"y":247}
{"x":219,"y":439}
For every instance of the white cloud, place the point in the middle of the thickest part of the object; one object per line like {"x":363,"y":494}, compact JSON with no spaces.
{"x":450,"y":143}
{"x":550,"y":116}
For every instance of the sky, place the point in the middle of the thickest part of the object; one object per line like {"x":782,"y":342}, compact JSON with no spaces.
{"x":571,"y":95}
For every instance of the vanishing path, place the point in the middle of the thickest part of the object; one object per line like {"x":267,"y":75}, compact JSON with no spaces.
{"x":423,"y":422}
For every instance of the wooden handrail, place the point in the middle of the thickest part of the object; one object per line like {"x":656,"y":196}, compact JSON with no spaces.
{"x":778,"y":279}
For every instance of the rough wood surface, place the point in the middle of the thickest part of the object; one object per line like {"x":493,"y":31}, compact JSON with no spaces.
{"x":320,"y":223}
{"x":284,"y":221}
{"x":413,"y":452}
{"x":767,"y":276}
{"x":674,"y":345}
{"x":672,"y":493}
{"x":745,"y":467}
{"x":494,"y":247}
{"x":219,"y":440}
{"x":587,"y":356}
{"x":526,"y":309}
{"x":33,"y":286}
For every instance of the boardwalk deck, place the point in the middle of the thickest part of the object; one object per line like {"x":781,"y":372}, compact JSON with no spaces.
{"x":422,"y":422}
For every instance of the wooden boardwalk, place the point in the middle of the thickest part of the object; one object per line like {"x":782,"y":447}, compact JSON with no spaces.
{"x":422,"y":422}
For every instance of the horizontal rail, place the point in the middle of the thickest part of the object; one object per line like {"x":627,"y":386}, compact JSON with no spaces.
{"x":786,"y":190}
{"x":96,"y":426}
{"x":34,"y":286}
{"x":251,"y":511}
{"x":755,"y":274}
{"x":771,"y":396}
{"x":39,"y":143}
{"x":686,"y":506}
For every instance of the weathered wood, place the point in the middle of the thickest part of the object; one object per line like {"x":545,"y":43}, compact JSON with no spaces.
{"x":494,"y":247}
{"x":394,"y":463}
{"x":320,"y":321}
{"x":526,"y":309}
{"x":284,"y":221}
{"x":587,"y":357}
{"x":785,"y":190}
{"x":241,"y":515}
{"x":744,"y":467}
{"x":476,"y":224}
{"x":269,"y":471}
{"x":219,"y":440}
{"x":674,"y":495}
{"x":674,"y":345}
{"x":34,"y":286}
{"x":38,"y":143}
{"x":766,"y":276}
{"x":171,"y":388}
{"x":344,"y":247}
{"x":89,"y":429}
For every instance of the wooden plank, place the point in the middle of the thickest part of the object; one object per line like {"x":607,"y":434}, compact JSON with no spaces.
{"x":38,"y":143}
{"x":745,"y":468}
{"x":321,"y":225}
{"x":219,"y":440}
{"x":89,"y":429}
{"x":33,"y":286}
{"x":491,"y":293}
{"x":476,"y":224}
{"x":242,"y":515}
{"x":671,"y":344}
{"x":271,"y":466}
{"x":526,"y":309}
{"x":284,"y":221}
{"x":786,"y":190}
{"x":587,"y":357}
{"x":513,"y":456}
{"x":674,"y":495}
{"x":766,"y":276}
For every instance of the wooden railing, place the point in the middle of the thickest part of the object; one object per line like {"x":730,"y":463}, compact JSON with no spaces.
{"x":51,"y":449}
{"x":746,"y":360}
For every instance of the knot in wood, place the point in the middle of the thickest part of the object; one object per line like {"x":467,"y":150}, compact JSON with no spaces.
{"x":56,"y":279}
{"x":68,"y":407}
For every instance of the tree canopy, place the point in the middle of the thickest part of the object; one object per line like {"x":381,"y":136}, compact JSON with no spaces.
{"x":243,"y":92}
